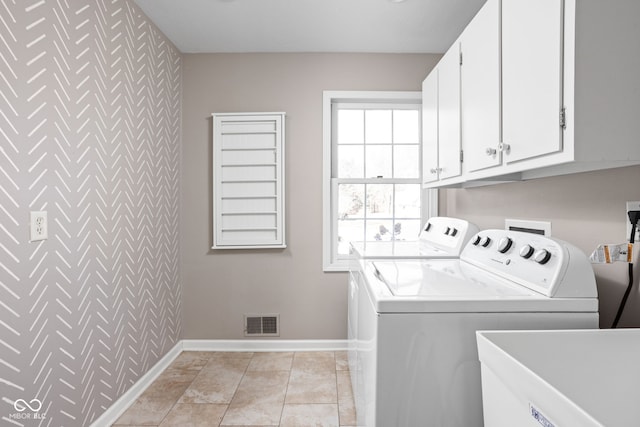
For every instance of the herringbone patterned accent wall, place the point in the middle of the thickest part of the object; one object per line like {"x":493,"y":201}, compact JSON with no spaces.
{"x":89,"y":132}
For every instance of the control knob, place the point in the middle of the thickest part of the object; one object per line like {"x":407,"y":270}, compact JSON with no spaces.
{"x":476,"y":241}
{"x":447,"y":231}
{"x":526,"y":251}
{"x":542,"y":256}
{"x":485,"y":241}
{"x":504,"y":245}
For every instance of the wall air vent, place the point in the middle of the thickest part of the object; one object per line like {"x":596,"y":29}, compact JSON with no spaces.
{"x":261,"y":325}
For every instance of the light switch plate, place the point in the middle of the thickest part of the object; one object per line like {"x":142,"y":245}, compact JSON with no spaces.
{"x":39,"y":226}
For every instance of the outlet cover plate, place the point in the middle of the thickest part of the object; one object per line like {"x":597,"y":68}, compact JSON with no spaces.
{"x":39,"y":226}
{"x":632,"y":206}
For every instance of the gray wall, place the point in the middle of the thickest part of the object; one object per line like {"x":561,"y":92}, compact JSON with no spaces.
{"x":585,"y":209}
{"x":89,"y":132}
{"x":220,"y":286}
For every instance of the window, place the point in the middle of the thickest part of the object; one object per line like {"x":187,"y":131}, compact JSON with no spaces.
{"x":372,"y":171}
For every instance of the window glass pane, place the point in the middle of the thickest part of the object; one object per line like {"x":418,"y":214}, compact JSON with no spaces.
{"x":407,"y":200}
{"x":406,"y":127}
{"x":351,"y":161}
{"x":349,"y":231}
{"x":406,"y":161}
{"x":350,"y":127}
{"x":371,"y":143}
{"x":350,"y":201}
{"x":380,"y":201}
{"x":379,"y":230}
{"x":378,"y":160}
{"x":378,"y":127}
{"x":406,"y":229}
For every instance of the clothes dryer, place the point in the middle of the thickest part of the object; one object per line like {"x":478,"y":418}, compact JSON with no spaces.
{"x":440,"y":238}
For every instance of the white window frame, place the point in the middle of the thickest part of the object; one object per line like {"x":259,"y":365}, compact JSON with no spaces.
{"x":429,"y":206}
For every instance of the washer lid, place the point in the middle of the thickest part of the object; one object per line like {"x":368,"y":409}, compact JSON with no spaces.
{"x":431,"y":286}
{"x":438,"y":279}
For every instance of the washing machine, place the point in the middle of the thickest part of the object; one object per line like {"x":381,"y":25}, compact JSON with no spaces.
{"x":441,"y":237}
{"x":417,"y":321}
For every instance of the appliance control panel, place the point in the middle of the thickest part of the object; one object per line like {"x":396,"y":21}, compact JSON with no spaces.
{"x":543,"y":264}
{"x":449,"y":234}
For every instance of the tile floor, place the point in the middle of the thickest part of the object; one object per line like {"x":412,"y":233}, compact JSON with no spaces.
{"x":248,"y":389}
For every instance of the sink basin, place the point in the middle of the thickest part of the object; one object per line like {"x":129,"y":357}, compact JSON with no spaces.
{"x":560,"y":378}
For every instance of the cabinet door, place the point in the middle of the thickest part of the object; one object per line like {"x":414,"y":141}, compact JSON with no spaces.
{"x":430,"y":127}
{"x":531,"y":77}
{"x":449,"y":113}
{"x":480,"y":89}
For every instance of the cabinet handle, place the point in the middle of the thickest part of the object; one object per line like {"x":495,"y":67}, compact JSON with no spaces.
{"x":491,"y":151}
{"x":505,"y":148}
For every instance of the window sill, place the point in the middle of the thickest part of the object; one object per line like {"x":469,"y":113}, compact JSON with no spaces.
{"x":337,"y":267}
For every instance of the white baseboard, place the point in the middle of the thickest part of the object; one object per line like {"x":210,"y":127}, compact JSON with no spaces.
{"x":264,"y":345}
{"x":114,"y":412}
{"x":123,"y":403}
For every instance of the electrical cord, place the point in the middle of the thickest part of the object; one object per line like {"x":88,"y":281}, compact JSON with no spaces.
{"x":634,"y":216}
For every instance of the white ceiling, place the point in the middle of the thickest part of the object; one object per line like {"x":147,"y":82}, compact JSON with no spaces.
{"x":412,"y":26}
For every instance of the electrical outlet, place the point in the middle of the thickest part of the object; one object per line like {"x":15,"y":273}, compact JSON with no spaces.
{"x":632,"y":206}
{"x":39,"y":226}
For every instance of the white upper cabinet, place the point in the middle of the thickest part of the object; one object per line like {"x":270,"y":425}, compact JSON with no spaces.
{"x":449,"y":114}
{"x":480,"y":89}
{"x":430,"y":127}
{"x":531,"y":78}
{"x":441,"y":149}
{"x":555,"y":82}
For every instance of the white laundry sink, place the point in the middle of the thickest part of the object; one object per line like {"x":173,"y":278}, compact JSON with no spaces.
{"x":560,"y":378}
